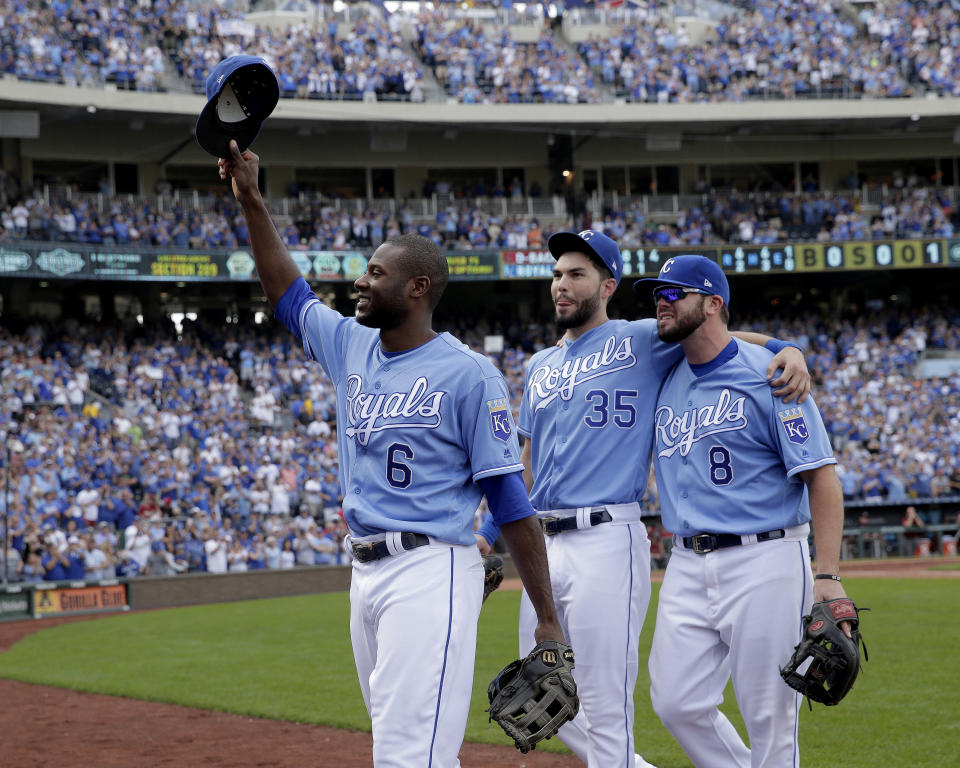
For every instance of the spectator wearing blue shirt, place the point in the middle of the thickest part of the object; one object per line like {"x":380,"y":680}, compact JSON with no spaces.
{"x":75,"y":555}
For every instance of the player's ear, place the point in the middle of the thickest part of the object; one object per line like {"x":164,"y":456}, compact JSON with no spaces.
{"x":418,"y":286}
{"x":608,"y":287}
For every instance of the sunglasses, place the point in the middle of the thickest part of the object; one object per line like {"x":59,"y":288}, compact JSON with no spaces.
{"x":672,"y":293}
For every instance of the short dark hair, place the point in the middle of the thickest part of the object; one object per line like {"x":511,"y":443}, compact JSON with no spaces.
{"x":422,"y":256}
{"x":725,"y":315}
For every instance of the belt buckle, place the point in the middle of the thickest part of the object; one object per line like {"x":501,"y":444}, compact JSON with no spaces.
{"x":549,"y":525}
{"x":363,"y":552}
{"x":704,"y":543}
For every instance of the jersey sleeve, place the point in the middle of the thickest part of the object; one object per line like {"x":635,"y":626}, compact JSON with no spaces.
{"x":801,"y":436}
{"x":525,"y":427}
{"x":488,"y":433}
{"x":322,"y":331}
{"x":663,"y":356}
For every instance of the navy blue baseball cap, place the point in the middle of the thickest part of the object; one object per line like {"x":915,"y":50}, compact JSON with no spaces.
{"x":689,"y":271}
{"x":595,"y":244}
{"x":242,"y":91}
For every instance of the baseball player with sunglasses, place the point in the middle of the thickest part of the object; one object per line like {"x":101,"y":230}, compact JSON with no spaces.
{"x":739,"y":473}
{"x":587,"y":416}
{"x":424,"y":430}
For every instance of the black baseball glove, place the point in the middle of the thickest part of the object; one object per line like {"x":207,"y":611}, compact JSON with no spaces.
{"x":834,"y":658}
{"x":492,"y":573}
{"x":532,"y":697}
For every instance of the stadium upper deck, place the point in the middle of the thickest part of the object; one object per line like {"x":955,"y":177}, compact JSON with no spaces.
{"x":766,"y":49}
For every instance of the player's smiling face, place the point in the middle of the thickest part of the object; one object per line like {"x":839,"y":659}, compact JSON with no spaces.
{"x":678,"y":319}
{"x":577,"y":290}
{"x":381,"y":299}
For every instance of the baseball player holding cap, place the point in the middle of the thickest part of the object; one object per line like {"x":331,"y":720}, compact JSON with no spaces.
{"x":587,"y":413}
{"x":424,"y":431}
{"x":739,"y":473}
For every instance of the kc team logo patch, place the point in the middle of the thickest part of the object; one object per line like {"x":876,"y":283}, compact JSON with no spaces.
{"x":794,"y":425}
{"x":500,"y":418}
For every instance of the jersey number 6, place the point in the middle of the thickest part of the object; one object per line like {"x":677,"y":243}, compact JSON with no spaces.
{"x":399,"y":475}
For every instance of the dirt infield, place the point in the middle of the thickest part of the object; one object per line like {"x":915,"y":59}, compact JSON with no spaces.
{"x":54,"y":727}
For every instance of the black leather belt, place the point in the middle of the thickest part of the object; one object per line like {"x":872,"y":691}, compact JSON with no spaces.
{"x":708,"y":542}
{"x":368,"y":551}
{"x":552,"y":524}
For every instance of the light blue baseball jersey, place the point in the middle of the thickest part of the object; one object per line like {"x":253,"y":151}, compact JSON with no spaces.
{"x":415,"y":430}
{"x":588,"y":410}
{"x":727,"y":450}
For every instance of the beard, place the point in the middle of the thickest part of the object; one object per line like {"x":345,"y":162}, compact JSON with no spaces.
{"x":684,"y":325}
{"x":384,"y":315}
{"x":584,"y":311}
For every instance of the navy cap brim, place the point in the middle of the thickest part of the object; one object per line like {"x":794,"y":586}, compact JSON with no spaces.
{"x":214,"y":136}
{"x":652,"y":283}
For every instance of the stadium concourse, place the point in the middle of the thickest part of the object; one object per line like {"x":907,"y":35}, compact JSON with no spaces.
{"x":161,"y":450}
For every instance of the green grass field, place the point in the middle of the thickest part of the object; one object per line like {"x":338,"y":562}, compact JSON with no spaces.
{"x":290,"y":659}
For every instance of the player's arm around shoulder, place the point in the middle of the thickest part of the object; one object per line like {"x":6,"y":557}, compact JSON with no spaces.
{"x":787,"y":371}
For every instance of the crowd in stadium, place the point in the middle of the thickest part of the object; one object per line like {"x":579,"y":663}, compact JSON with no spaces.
{"x":477,"y":66}
{"x":780,"y":49}
{"x":218,"y":451}
{"x":766,"y":49}
{"x":758,"y":218}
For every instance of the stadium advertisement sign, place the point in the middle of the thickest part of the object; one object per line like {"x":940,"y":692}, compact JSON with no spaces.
{"x":14,"y":603}
{"x":526,"y":264}
{"x":117,"y":263}
{"x":100,"y":262}
{"x":474,"y":265}
{"x":105,"y":597}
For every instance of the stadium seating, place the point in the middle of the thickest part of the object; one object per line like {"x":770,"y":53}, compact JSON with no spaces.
{"x":768,"y":49}
{"x":465,"y":223}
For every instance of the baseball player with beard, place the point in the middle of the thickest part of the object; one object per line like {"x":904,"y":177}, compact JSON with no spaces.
{"x":740,"y":472}
{"x":424,"y":431}
{"x":587,"y":416}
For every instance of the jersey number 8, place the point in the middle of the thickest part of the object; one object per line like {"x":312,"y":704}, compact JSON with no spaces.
{"x":721,"y":471}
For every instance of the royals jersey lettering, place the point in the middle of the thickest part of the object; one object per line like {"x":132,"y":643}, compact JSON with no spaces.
{"x":439,"y":406}
{"x":602,"y":386}
{"x":722,"y":436}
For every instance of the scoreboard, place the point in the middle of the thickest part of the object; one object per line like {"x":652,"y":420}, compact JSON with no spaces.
{"x":806,"y":257}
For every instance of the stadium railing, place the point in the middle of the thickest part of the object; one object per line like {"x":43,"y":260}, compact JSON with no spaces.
{"x":868,"y":197}
{"x":419,"y":207}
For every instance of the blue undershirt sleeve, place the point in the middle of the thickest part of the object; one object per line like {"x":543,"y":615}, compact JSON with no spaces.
{"x":288,"y":308}
{"x":508,"y":501}
{"x":776,"y":346}
{"x":489,"y":530}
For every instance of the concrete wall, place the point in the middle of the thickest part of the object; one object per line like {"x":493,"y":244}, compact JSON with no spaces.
{"x":201,"y":588}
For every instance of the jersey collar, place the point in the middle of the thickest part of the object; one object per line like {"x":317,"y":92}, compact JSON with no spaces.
{"x":727,"y":353}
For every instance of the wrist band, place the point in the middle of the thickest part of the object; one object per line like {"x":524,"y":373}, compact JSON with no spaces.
{"x":827,"y":576}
